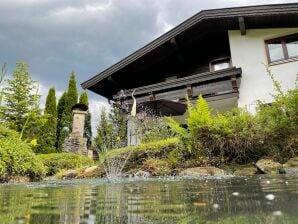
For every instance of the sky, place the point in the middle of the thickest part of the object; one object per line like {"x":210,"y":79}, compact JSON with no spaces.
{"x":56,"y":37}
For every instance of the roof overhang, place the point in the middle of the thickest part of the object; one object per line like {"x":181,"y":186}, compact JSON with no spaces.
{"x":241,"y":18}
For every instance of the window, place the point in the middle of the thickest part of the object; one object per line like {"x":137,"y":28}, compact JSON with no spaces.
{"x":282,"y":48}
{"x":219,"y":64}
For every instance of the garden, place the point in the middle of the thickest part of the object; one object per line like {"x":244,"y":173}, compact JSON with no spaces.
{"x":236,"y":142}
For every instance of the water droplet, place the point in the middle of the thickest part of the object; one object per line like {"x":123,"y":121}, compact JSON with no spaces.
{"x":270,"y":197}
{"x":235,"y":193}
{"x":277,"y":213}
{"x":287,"y":182}
{"x":268,"y":182}
{"x":200,"y":204}
{"x":215,"y":206}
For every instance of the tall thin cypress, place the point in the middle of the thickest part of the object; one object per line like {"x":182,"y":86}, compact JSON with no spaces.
{"x":47,"y":136}
{"x":60,"y":109}
{"x":70,"y":100}
{"x":88,"y":129}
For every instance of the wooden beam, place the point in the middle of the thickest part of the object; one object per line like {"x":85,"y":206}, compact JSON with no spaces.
{"x":174,"y":43}
{"x":151,"y":96}
{"x":206,"y":90}
{"x":242,"y":25}
{"x":112,"y":80}
{"x":181,"y":63}
{"x":189,"y":90}
{"x":234,"y":83}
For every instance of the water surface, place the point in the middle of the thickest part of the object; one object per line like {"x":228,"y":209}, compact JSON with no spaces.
{"x":258,"y":199}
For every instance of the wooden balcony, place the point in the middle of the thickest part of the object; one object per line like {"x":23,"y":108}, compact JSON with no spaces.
{"x":212,"y":85}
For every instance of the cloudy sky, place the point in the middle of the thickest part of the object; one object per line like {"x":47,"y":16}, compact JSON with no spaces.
{"x":57,"y":36}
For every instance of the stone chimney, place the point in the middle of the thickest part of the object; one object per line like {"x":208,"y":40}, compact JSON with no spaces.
{"x":76,"y":142}
{"x":78,"y":123}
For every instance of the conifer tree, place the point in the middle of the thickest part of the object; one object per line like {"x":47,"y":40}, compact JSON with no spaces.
{"x":104,"y":137}
{"x":84,"y":98}
{"x":60,"y":109}
{"x":47,"y":136}
{"x":72,"y":92}
{"x":61,"y":106}
{"x":21,"y":111}
{"x":2,"y":76}
{"x":111,"y":130}
{"x":88,"y":129}
{"x":70,"y":100}
{"x":118,"y":122}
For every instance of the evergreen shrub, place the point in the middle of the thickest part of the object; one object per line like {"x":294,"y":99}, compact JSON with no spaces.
{"x":54,"y":162}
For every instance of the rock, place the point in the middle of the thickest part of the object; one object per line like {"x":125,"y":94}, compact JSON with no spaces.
{"x":293,"y":162}
{"x":202,"y":171}
{"x":268,"y":166}
{"x":291,"y":170}
{"x":93,"y":171}
{"x":18,"y":179}
{"x":142,"y":173}
{"x":68,"y":174}
{"x":50,"y":178}
{"x":247,"y":171}
{"x":291,"y":166}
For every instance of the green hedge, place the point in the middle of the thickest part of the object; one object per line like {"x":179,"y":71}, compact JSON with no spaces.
{"x":17,"y":158}
{"x":54,"y":162}
{"x":140,"y":153}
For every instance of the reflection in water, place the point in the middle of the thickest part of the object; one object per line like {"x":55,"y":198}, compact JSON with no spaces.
{"x":226,"y":200}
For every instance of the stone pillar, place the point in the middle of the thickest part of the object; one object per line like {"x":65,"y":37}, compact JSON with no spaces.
{"x":76,"y":142}
{"x":78,"y":123}
{"x":133,"y":135}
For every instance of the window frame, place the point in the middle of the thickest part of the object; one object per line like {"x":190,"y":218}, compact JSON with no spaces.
{"x":283,"y":42}
{"x":218,"y":60}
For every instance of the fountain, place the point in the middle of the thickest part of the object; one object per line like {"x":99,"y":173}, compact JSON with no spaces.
{"x":113,"y":166}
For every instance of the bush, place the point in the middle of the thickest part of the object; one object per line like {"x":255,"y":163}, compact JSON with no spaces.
{"x":152,"y":149}
{"x":55,"y":162}
{"x":232,"y":136}
{"x":154,"y":128}
{"x":238,"y":136}
{"x":215,"y":140}
{"x":140,"y":153}
{"x":280,"y":125}
{"x":17,"y":158}
{"x":157,"y":167}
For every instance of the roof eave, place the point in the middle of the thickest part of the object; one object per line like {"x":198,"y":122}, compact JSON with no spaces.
{"x":202,"y":15}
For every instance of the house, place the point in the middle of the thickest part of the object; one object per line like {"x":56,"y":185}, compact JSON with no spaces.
{"x":219,"y":53}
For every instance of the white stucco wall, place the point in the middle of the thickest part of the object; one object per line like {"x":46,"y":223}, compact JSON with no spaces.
{"x":248,"y":52}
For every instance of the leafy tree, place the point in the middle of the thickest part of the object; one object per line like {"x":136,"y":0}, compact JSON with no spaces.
{"x":21,"y":111}
{"x":47,"y":135}
{"x":88,"y":129}
{"x":70,"y":100}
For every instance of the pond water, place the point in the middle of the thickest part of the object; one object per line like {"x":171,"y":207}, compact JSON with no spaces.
{"x":258,"y":199}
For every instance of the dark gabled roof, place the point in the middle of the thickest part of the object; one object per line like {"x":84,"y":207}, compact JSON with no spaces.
{"x":253,"y":16}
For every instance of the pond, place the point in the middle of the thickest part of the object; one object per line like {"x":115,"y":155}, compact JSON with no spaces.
{"x":258,"y":199}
